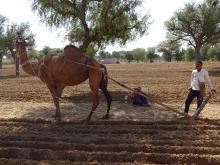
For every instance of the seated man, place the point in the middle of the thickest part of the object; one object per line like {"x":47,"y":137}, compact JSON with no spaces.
{"x":138,"y":99}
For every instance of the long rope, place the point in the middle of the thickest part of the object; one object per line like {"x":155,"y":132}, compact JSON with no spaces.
{"x":117,"y":82}
{"x":130,"y":89}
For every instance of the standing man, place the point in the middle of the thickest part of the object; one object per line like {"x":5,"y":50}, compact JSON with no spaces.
{"x":198,"y":78}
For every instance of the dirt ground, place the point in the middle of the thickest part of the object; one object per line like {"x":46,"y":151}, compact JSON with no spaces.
{"x":132,"y":135}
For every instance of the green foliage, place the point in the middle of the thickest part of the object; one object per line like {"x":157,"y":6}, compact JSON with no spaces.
{"x":139,"y":54}
{"x":14,"y":31}
{"x":96,"y":22}
{"x":189,"y":54}
{"x":91,"y":50}
{"x":6,"y":61}
{"x":2,"y":24}
{"x":2,"y":37}
{"x":47,"y":50}
{"x":214,"y":52}
{"x":104,"y":54}
{"x":33,"y":54}
{"x":170,"y":50}
{"x":9,"y":34}
{"x":151,"y":54}
{"x":129,"y":56}
{"x":117,"y":55}
{"x":196,"y":24}
{"x":204,"y":52}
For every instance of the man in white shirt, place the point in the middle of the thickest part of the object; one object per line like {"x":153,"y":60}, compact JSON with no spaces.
{"x":199,"y":75}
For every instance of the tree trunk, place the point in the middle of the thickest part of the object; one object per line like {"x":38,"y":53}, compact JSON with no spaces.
{"x":16,"y":60}
{"x":197,"y":52}
{"x":17,"y":72}
{"x":1,"y":56}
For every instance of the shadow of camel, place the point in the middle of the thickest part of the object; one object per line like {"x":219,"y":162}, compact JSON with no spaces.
{"x":87,"y":96}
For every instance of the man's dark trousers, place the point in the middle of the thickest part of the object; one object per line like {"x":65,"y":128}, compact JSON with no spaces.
{"x":192,"y":94}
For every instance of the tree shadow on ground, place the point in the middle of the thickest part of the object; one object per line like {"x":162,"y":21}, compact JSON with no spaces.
{"x":12,"y":77}
{"x":215,"y":72}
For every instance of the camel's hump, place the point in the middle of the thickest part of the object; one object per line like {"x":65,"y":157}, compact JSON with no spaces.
{"x":71,"y":50}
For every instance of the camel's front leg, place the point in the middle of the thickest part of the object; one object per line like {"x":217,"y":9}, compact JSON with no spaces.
{"x":55,"y":93}
{"x":57,"y":113}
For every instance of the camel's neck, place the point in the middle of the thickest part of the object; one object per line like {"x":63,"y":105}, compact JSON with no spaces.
{"x":29,"y":68}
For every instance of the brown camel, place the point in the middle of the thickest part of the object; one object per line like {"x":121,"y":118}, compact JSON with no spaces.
{"x":68,"y":69}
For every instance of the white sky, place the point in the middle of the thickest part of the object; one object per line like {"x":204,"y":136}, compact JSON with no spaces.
{"x":160,"y":11}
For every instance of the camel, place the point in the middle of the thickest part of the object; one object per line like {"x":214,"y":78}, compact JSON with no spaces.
{"x":70,"y":68}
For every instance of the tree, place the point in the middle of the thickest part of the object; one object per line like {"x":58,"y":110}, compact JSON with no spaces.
{"x":104,"y":54}
{"x":129,"y":56}
{"x":33,"y":54}
{"x":189,"y":54}
{"x":170,"y":50}
{"x":95,"y":23}
{"x":151,"y":55}
{"x":197,"y":24}
{"x":214,"y":52}
{"x":139,"y":54}
{"x":2,"y":46}
{"x":14,"y":31}
{"x":116,"y":54}
{"x":204,"y":52}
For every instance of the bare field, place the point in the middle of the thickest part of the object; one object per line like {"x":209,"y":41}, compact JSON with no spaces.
{"x":132,"y":135}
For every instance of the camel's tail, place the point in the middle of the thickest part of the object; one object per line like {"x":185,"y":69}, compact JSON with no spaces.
{"x":104,"y":81}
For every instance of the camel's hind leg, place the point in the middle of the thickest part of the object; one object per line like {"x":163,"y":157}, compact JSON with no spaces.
{"x":109,"y":100}
{"x":95,"y":93}
{"x":95,"y":77}
{"x":103,"y":87}
{"x":108,"y":97}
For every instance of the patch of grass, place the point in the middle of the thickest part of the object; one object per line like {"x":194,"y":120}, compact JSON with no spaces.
{"x":6,"y":61}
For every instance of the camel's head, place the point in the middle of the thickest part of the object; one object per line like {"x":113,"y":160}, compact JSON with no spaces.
{"x":20,"y":46}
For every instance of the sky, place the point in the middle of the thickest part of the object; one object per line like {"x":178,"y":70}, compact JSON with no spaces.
{"x":160,"y":11}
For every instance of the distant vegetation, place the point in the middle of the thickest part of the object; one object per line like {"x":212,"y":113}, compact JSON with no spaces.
{"x":93,"y":25}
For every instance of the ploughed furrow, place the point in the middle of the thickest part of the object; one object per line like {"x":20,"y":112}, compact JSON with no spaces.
{"x":81,"y":156}
{"x":146,"y":148}
{"x":173,"y":142}
{"x":6,"y":161}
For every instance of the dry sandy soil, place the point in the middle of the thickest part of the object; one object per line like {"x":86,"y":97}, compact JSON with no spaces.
{"x":132,"y":135}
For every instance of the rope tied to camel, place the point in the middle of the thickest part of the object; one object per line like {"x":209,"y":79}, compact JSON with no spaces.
{"x":117,"y":82}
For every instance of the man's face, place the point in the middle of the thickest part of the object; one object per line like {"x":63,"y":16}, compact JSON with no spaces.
{"x":198,"y":66}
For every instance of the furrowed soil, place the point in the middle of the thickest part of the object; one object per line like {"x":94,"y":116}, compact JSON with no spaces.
{"x":132,"y":135}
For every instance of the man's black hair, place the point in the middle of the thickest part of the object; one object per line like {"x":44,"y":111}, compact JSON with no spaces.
{"x":200,"y":62}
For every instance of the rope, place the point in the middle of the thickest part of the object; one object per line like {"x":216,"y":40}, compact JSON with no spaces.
{"x":117,"y":82}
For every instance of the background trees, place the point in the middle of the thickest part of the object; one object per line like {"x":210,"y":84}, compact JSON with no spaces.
{"x":2,"y":46}
{"x":8,"y":36}
{"x":94,"y":23}
{"x":13,"y":31}
{"x":171,"y":50}
{"x":197,"y":24}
